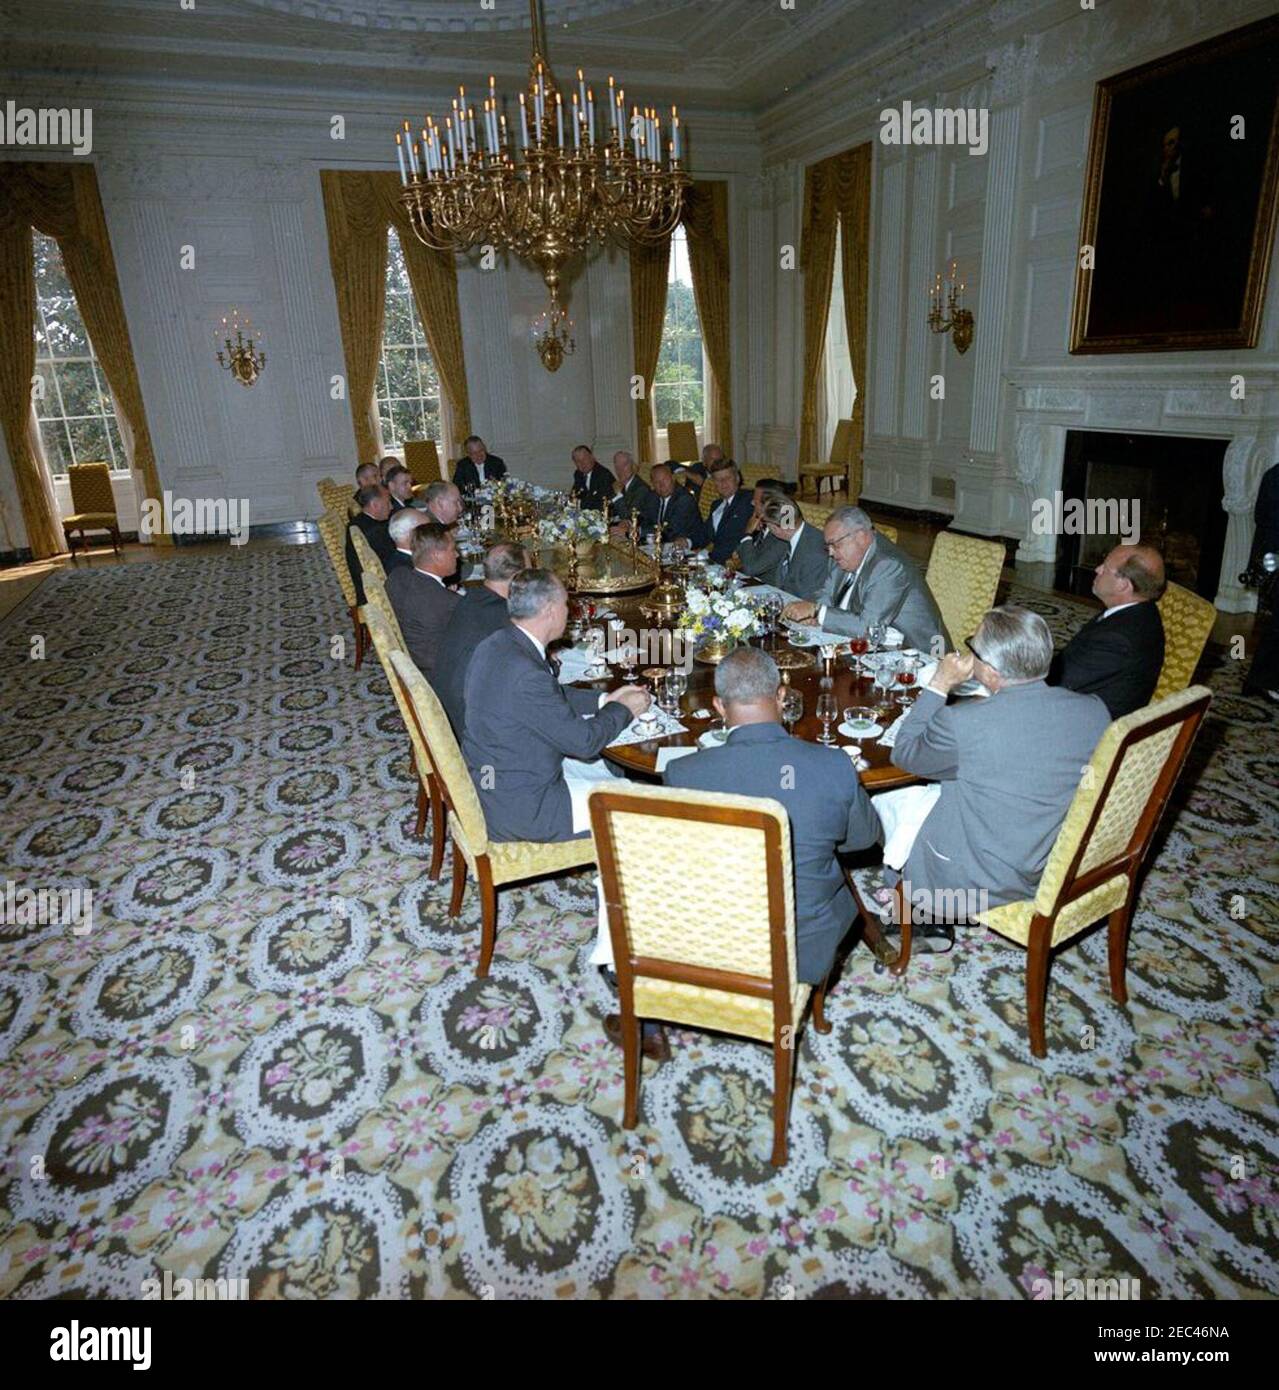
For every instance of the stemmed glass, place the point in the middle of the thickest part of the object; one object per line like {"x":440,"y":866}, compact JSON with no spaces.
{"x":885,"y":680}
{"x":674,"y":685}
{"x":828,"y":660}
{"x":826,"y":711}
{"x":907,"y":674}
{"x":792,"y":707}
{"x":875,"y":634}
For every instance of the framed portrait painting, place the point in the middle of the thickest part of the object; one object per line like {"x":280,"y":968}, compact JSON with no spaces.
{"x":1179,"y":199}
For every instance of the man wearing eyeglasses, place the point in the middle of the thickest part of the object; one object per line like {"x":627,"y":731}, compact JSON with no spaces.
{"x":872,"y":581}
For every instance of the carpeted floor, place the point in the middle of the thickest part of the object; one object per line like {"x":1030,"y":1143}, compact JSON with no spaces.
{"x":270,"y":1058}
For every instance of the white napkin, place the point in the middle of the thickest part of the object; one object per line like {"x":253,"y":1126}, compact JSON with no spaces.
{"x":901,"y":813}
{"x":889,"y":736}
{"x":574,"y":663}
{"x":666,"y":756}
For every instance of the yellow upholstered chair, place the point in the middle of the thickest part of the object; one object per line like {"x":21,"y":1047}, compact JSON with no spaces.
{"x":681,"y":441}
{"x":1093,"y":868}
{"x":493,"y":862}
{"x":365,"y":554}
{"x":889,"y":533}
{"x":388,"y":639}
{"x":422,"y":459}
{"x":753,"y":472}
{"x":835,"y":469}
{"x":333,"y":533}
{"x":724,"y":959}
{"x":1187,"y":621}
{"x":963,"y":575}
{"x":335,"y":496}
{"x":93,"y":505}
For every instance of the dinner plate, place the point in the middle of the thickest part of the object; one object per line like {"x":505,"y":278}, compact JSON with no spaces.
{"x":872,"y":732}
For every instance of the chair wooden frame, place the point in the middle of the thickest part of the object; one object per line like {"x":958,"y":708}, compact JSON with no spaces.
{"x":1077,"y":883}
{"x":332,"y":526}
{"x":835,"y":469}
{"x":603,"y":801}
{"x":87,"y":517}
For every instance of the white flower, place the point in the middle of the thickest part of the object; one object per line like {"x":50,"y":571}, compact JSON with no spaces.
{"x":697,"y":602}
{"x":741,"y":618}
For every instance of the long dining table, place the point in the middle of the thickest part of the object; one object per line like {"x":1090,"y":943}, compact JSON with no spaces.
{"x":851,"y":688}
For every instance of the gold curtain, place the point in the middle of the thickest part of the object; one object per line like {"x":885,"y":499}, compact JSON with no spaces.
{"x":359,"y":205}
{"x":853,"y":174}
{"x":706,"y":222}
{"x":62,"y":201}
{"x":836,"y":194}
{"x":356,"y":218}
{"x":650,"y":270}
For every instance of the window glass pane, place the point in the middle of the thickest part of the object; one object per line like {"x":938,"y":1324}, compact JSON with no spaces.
{"x":118,"y":459}
{"x":53,"y":435}
{"x":79,"y":389}
{"x":45,"y":398}
{"x":678,"y":390}
{"x":105,"y":402}
{"x":407,"y":385}
{"x":89,"y":441}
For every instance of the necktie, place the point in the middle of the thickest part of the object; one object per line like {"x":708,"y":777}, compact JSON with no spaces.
{"x":553,"y":665}
{"x":846,"y":588}
{"x":661,"y":512}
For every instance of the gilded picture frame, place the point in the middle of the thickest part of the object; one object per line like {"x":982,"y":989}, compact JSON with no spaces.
{"x":1180,"y":200}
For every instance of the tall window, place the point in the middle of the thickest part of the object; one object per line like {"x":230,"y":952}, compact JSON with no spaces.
{"x":408,"y":389}
{"x":73,"y":402}
{"x":679,"y":388}
{"x":840,"y":390}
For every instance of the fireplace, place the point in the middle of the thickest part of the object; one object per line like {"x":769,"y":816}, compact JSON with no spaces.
{"x":1174,"y":480}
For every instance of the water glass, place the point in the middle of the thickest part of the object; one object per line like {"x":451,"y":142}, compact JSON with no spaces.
{"x":826,"y":711}
{"x":792,"y":707}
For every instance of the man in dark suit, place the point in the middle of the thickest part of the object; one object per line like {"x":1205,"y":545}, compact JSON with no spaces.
{"x":728,"y":518}
{"x":693,"y":476}
{"x":419,"y":595}
{"x":1119,"y":654}
{"x":670,"y":507}
{"x":592,"y":482}
{"x":478,"y":466}
{"x":829,"y":811}
{"x":399,"y":483}
{"x":442,"y":503}
{"x":375,"y":507}
{"x":783,"y":549}
{"x":401,"y":527}
{"x":632,"y":491}
{"x":366,"y":475}
{"x":872,"y":581}
{"x":481,"y":612}
{"x":525,"y":734}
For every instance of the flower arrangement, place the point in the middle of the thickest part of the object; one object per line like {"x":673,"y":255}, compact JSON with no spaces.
{"x":572,"y":527}
{"x":717,"y":614}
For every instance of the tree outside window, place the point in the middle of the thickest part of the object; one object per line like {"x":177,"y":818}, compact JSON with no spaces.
{"x":74,"y":406}
{"x":679,"y":388}
{"x":407,"y":387}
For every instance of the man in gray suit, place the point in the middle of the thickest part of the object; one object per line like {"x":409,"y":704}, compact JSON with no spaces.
{"x":529,"y":741}
{"x":872,"y":581}
{"x":632,"y":492}
{"x":418,"y":593}
{"x":1008,"y":767}
{"x":784,"y":550}
{"x":829,"y":811}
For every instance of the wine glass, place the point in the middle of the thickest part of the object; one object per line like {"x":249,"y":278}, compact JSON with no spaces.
{"x":886,"y":681}
{"x":907,"y":675}
{"x":792,"y":707}
{"x":674,"y":685}
{"x":828,"y":660}
{"x":875,"y":634}
{"x":826,"y":711}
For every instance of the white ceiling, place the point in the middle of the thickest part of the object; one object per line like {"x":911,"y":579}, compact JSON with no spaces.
{"x":734,"y":54}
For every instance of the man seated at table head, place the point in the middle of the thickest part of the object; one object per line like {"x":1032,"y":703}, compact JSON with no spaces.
{"x":400,"y":528}
{"x":477,"y":466}
{"x":1008,"y":766}
{"x":531,"y":743}
{"x":632,"y":491}
{"x":783,"y":549}
{"x":670,"y":507}
{"x":399,"y":483}
{"x":872,"y":581}
{"x":375,"y":506}
{"x":1120,"y":653}
{"x":482,"y":611}
{"x":366,"y":475}
{"x":829,"y":810}
{"x":729,"y":516}
{"x":419,"y":594}
{"x":696,"y":474}
{"x":592,"y":482}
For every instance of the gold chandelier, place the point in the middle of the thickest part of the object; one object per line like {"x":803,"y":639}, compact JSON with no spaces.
{"x":244,"y":359}
{"x":576,"y":180}
{"x":553,"y":337}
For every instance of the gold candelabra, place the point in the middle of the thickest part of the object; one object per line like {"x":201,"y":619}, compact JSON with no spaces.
{"x":553,"y":337}
{"x":955,"y":319}
{"x":243,"y":359}
{"x":575,"y":182}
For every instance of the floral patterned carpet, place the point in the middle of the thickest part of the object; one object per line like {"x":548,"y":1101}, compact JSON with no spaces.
{"x":270,"y":1059}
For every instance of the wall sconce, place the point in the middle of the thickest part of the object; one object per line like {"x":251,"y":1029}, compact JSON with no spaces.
{"x":955,"y":318}
{"x":552,"y":332}
{"x":243,"y":359}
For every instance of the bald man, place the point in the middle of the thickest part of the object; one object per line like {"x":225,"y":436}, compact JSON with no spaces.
{"x":1119,"y":655}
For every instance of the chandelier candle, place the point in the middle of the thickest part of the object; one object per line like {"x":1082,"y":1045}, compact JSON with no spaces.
{"x":553,"y":198}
